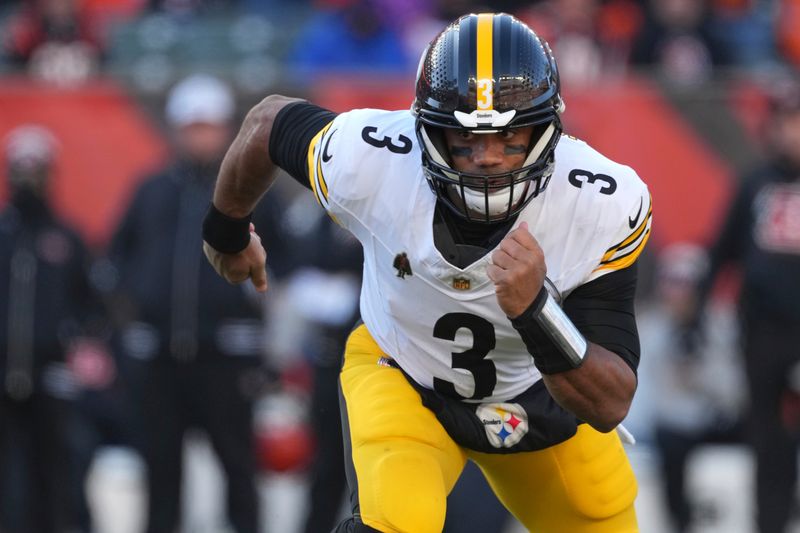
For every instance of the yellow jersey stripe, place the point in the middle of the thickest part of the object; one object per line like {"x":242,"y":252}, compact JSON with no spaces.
{"x":321,"y":179}
{"x":483,"y":68}
{"x":312,"y":167}
{"x":627,"y":259}
{"x":632,"y":237}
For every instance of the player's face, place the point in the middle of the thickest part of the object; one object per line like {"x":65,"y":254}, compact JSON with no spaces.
{"x":488,"y":153}
{"x":202,"y":142}
{"x":495,"y":155}
{"x":31,"y":176}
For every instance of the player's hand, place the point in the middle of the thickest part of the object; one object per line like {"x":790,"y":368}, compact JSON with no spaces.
{"x":249,"y":263}
{"x":517,"y":270}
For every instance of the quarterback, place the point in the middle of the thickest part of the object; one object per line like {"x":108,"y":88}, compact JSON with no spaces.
{"x":497,"y":320}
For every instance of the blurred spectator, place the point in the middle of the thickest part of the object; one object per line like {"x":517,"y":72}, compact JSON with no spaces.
{"x":192,"y":344}
{"x":325,"y":293}
{"x":348,"y":36}
{"x":761,"y":235}
{"x":55,"y":40}
{"x":464,"y":516}
{"x":590,"y":38}
{"x":697,"y":396}
{"x":102,"y":417}
{"x":744,"y":31}
{"x":675,"y":41}
{"x":420,"y":21}
{"x":788,"y":38}
{"x":45,"y":301}
{"x":187,"y":8}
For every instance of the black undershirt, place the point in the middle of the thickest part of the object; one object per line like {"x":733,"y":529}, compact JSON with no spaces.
{"x":292,"y":131}
{"x":602,"y":309}
{"x":462,"y":242}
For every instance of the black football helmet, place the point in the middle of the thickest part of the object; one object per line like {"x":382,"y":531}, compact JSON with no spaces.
{"x":487,"y":73}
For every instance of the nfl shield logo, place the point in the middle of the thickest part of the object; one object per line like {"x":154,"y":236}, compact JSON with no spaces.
{"x":461,"y":284}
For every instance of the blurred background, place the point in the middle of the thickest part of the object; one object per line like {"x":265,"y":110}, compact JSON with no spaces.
{"x":109,"y":106}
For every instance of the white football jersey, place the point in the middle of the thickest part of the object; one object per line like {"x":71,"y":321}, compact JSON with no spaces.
{"x":442,"y":324}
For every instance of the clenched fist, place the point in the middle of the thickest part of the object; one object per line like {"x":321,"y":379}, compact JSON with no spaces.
{"x":517,"y":270}
{"x":236,"y":268}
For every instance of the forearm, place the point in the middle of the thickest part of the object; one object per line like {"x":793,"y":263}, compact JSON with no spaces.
{"x":247,"y":170}
{"x":599,"y":392}
{"x":584,"y":377}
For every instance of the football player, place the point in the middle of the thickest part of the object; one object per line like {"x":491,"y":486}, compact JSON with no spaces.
{"x":498,"y":283}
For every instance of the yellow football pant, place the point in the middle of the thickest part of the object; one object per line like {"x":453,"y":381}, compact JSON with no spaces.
{"x":406,"y":464}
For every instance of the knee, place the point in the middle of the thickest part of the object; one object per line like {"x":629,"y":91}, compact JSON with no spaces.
{"x":408,"y":492}
{"x":599,"y":479}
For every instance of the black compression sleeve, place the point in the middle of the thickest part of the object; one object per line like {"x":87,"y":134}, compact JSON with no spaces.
{"x":603,"y":312}
{"x":294,"y":127}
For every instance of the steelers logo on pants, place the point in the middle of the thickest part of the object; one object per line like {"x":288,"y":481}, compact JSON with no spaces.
{"x":505,"y":423}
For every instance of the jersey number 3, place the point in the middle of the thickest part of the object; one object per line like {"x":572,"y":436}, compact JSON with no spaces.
{"x":577,"y":177}
{"x":403,"y":147}
{"x":473,"y":360}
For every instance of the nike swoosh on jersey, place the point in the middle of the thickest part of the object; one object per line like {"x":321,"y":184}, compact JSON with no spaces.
{"x":325,"y":155}
{"x":632,"y":221}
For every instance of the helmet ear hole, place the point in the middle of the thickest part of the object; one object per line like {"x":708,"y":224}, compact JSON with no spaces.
{"x":436,"y":145}
{"x":541,"y":137}
{"x":538,"y":131}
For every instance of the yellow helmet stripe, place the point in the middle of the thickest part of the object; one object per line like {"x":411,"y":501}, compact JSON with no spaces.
{"x":483,"y":70}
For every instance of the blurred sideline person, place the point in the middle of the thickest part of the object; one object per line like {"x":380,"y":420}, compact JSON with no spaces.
{"x":45,"y":300}
{"x":192,"y":345}
{"x":465,"y":351}
{"x":464,"y":516}
{"x":697,"y":397}
{"x":56,"y":41}
{"x":761,"y":236}
{"x":324,"y":292}
{"x":348,"y":36}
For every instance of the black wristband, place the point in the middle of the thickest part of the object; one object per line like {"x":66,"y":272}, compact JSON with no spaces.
{"x":547,"y":356}
{"x":533,"y":310}
{"x":226,"y":234}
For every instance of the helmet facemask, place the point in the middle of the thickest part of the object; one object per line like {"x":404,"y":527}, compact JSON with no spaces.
{"x":488,"y":198}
